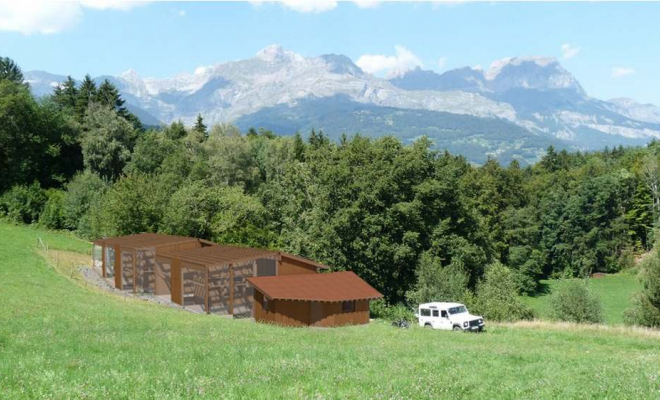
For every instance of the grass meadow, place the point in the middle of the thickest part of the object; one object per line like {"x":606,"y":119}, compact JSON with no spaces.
{"x":614,"y":292}
{"x":61,"y":339}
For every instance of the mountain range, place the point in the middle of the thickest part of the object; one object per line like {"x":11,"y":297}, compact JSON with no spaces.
{"x":513,"y":110}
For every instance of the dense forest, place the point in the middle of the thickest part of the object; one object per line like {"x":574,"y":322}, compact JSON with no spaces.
{"x":414,"y":222}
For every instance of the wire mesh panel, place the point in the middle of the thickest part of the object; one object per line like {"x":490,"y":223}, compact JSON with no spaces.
{"x":146,"y":270}
{"x":219,"y":289}
{"x":266,"y":267}
{"x":163,"y":284}
{"x":97,"y":256}
{"x":127,"y":270}
{"x":243,"y":293}
{"x":194,"y":288}
{"x":109,"y":261}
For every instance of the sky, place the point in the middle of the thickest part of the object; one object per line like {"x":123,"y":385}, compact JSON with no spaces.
{"x":613,"y":49}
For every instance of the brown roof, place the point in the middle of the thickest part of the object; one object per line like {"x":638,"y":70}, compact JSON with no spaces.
{"x":330,"y":287}
{"x":220,"y":255}
{"x":142,"y":240}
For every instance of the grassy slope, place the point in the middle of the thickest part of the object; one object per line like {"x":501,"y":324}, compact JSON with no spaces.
{"x":60,"y":339}
{"x":613,"y":290}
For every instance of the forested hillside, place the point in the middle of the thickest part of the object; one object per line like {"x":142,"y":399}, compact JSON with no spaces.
{"x":398,"y":215}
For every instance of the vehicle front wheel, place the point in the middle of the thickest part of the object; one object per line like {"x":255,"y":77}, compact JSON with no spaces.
{"x":428,"y":326}
{"x":457,"y":328}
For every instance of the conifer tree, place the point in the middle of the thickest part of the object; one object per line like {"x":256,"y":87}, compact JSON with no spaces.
{"x":9,"y":70}
{"x":298,"y":147}
{"x":251,"y":133}
{"x":86,"y":94}
{"x":200,"y":128}
{"x":66,"y":94}
{"x":108,"y":95}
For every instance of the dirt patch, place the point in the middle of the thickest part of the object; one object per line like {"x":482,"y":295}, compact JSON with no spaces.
{"x":597,"y":275}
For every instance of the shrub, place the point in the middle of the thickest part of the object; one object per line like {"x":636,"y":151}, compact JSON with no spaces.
{"x":497,"y":296}
{"x":135,"y":203}
{"x":22,"y":203}
{"x":380,"y":309}
{"x":190,"y":211}
{"x":83,"y":190}
{"x":573,"y":301}
{"x":52,"y":215}
{"x":645,"y":310}
{"x":437,"y":283}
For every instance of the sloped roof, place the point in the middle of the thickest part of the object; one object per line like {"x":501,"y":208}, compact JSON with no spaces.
{"x":220,"y":254}
{"x":217,"y":254}
{"x":330,"y":287}
{"x":142,"y":240}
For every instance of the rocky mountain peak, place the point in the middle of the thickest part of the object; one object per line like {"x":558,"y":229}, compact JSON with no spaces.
{"x":276,"y":53}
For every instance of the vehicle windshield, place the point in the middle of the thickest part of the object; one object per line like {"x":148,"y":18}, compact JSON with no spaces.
{"x":457,"y":310}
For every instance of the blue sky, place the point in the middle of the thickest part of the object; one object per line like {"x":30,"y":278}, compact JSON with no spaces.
{"x":613,"y":48}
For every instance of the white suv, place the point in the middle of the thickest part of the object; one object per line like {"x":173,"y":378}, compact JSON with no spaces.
{"x":449,"y":316}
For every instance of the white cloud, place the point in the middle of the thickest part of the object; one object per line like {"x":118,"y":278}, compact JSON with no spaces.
{"x":48,"y":17}
{"x":303,"y":6}
{"x":315,"y":6}
{"x":619,"y":72}
{"x":182,"y":13}
{"x":442,"y":61}
{"x":569,"y":51}
{"x":366,"y":3}
{"x":403,"y":60}
{"x":123,"y":5}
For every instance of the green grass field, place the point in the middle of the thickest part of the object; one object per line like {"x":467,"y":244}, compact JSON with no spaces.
{"x":614,"y":292}
{"x":60,"y":339}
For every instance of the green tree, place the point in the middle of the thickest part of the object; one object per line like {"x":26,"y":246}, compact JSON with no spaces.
{"x":81,"y":192}
{"x":10,"y":71}
{"x":298,"y":147}
{"x":87,"y":93}
{"x":437,"y":283}
{"x":66,"y":95}
{"x":572,"y":301}
{"x":200,"y":129}
{"x":497,"y":296}
{"x":645,"y":310}
{"x":108,"y":141}
{"x":175,"y":131}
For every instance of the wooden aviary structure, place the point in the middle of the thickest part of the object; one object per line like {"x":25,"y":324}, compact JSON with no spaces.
{"x":272,"y":286}
{"x":213,"y":278}
{"x":326,"y":300}
{"x":131,"y":260}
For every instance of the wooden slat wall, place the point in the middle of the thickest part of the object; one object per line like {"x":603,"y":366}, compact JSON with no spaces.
{"x":294,"y":267}
{"x":177,"y":289}
{"x":105,"y":273}
{"x":300,"y":313}
{"x":118,"y":272}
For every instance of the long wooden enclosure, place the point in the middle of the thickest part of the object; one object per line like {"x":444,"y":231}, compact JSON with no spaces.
{"x":213,"y":279}
{"x":194,"y":273}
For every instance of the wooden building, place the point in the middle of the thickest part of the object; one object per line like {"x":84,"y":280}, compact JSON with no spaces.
{"x":131,"y":259}
{"x":213,"y":278}
{"x":270,"y":285}
{"x":326,"y":300}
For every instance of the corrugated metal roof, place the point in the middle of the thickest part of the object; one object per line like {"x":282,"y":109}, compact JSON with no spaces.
{"x":220,"y":255}
{"x":330,"y":287}
{"x":142,"y":240}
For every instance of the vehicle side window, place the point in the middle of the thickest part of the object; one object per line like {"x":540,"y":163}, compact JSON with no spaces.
{"x":425,"y":312}
{"x":444,"y":313}
{"x":435,"y":313}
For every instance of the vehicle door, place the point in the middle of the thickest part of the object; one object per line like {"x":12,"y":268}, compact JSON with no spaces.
{"x":444,"y":322}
